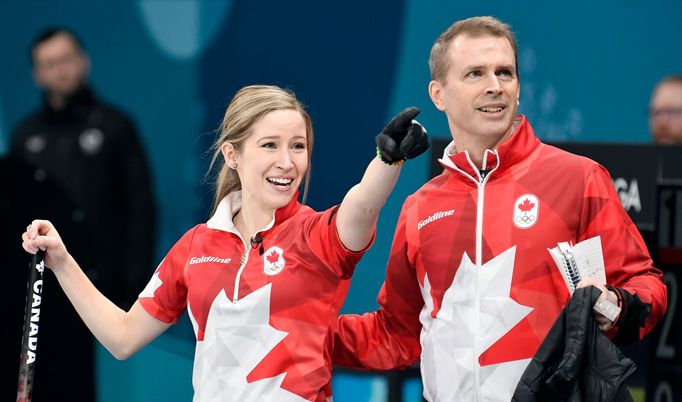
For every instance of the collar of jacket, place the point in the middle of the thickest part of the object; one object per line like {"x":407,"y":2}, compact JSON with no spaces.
{"x":77,"y":107}
{"x":513,"y":150}
{"x":232,"y":203}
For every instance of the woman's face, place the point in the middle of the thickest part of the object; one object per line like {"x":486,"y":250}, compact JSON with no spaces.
{"x":273,"y":160}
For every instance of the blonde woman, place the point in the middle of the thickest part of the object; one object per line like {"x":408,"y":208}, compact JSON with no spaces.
{"x":264,"y":278}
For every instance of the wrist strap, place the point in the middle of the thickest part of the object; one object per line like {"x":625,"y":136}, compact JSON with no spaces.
{"x":391,"y":163}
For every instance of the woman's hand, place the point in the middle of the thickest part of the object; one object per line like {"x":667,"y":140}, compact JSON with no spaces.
{"x":41,"y":234}
{"x":403,"y":138}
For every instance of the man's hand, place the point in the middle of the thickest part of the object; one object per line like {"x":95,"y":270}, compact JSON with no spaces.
{"x":403,"y":138}
{"x":604,"y":322}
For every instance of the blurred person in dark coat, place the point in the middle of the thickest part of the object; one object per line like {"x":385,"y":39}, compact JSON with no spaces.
{"x":91,"y":152}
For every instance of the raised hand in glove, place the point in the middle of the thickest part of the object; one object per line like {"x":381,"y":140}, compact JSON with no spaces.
{"x":403,"y":138}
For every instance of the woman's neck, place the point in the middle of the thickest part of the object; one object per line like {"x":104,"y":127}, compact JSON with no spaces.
{"x":249,"y":221}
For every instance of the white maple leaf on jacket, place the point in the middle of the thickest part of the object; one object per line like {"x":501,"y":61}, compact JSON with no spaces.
{"x":236,"y":339}
{"x":476,"y":312}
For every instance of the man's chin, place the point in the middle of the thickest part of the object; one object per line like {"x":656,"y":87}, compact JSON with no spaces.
{"x":63,"y":90}
{"x":499,"y":128}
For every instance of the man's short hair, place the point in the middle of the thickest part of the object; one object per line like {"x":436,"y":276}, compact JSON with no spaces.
{"x":671,"y":79}
{"x":50,"y":33}
{"x":474,"y":27}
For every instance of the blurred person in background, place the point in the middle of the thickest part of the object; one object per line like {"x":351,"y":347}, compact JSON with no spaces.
{"x":91,"y":153}
{"x":665,"y":111}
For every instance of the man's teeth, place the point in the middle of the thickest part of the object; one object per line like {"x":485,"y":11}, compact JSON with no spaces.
{"x":278,"y":181}
{"x":491,"y":109}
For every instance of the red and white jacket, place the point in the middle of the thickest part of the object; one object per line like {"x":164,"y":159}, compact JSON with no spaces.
{"x":470,"y":285}
{"x":263,"y":313}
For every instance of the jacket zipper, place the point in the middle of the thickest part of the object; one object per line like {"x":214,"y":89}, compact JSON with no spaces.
{"x":484,"y":174}
{"x":242,"y":264}
{"x":245,"y":257}
{"x":477,"y":296}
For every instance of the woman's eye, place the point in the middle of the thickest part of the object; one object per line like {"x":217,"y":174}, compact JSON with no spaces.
{"x":269,"y":145}
{"x":298,"y":145}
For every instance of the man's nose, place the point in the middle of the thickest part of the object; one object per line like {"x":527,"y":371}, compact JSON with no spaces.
{"x":494,"y":85}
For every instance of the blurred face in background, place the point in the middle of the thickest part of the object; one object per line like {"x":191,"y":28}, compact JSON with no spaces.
{"x":59,"y":66}
{"x":665,"y":113}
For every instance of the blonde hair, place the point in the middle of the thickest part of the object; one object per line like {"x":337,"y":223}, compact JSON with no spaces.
{"x":474,"y":27}
{"x":247,"y":107}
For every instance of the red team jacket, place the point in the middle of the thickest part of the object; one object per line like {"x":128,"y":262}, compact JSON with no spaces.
{"x":263,"y":313}
{"x":470,"y":285}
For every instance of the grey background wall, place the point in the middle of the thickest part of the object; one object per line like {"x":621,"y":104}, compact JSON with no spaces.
{"x":587,"y":69}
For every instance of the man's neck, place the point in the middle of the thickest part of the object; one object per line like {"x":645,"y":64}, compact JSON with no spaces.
{"x":476,"y":145}
{"x":56,"y":101}
{"x":60,"y":101}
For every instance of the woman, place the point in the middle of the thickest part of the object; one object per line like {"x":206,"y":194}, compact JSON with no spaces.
{"x":264,"y":278}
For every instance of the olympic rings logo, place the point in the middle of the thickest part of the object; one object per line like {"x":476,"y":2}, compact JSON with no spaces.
{"x":525,"y":219}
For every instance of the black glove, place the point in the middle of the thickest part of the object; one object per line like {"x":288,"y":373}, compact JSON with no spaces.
{"x":403,"y":138}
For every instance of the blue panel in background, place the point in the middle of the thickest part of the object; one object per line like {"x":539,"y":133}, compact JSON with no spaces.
{"x":339,"y":58}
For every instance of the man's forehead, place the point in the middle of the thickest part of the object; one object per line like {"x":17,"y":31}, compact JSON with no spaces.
{"x":59,"y":41}
{"x":486,"y":48}
{"x":668,"y":91}
{"x":466,"y":41}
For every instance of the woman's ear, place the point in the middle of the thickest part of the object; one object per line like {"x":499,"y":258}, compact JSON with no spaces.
{"x":229,"y":154}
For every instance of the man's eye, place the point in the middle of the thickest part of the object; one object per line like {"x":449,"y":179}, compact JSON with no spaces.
{"x":506,"y":73}
{"x":474,"y":73}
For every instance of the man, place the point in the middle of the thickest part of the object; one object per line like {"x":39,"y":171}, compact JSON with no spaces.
{"x":665,"y":111}
{"x":91,"y":153}
{"x":470,"y":285}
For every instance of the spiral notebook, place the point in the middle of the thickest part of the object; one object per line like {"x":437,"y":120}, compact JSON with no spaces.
{"x":584,"y":260}
{"x":581,"y":261}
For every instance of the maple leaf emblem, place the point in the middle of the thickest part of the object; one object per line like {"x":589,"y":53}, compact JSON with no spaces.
{"x":273,"y":257}
{"x":470,"y":320}
{"x":238,"y":337}
{"x":273,"y":261}
{"x":526,"y":205}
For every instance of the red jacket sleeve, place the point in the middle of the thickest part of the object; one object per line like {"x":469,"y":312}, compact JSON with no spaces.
{"x":629,"y":267}
{"x":389,"y":337}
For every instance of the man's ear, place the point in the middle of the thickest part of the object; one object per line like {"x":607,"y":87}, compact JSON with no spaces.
{"x":435,"y":92}
{"x":86,"y":65}
{"x":36,"y":77}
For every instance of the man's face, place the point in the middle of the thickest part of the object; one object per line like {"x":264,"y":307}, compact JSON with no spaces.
{"x":59,"y":66}
{"x":481,"y":89}
{"x":665,"y":113}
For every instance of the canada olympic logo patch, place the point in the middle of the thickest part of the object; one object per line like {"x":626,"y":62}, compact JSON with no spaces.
{"x":526,"y":209}
{"x":273,"y":261}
